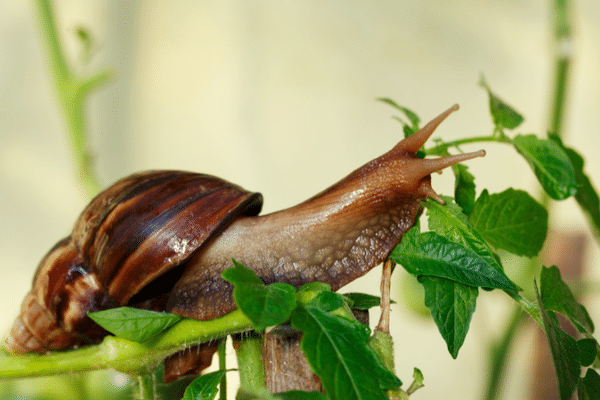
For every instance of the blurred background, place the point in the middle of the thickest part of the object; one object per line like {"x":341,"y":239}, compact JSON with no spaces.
{"x":279,"y":97}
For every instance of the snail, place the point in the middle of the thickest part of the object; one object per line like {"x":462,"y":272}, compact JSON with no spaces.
{"x":160,"y":240}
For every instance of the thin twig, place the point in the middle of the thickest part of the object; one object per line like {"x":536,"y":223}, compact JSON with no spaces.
{"x":386,"y":278}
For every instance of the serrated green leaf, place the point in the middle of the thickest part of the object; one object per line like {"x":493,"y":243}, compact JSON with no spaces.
{"x":511,"y":220}
{"x":337,"y":351}
{"x":557,"y":296}
{"x":430,"y":254}
{"x":204,"y":387}
{"x":263,"y":305}
{"x":503,"y":115}
{"x":589,"y":386}
{"x":464,"y":187}
{"x":564,"y":350}
{"x":132,"y":323}
{"x":550,"y":164}
{"x":452,"y":305}
{"x":587,"y":195}
{"x":449,"y":221}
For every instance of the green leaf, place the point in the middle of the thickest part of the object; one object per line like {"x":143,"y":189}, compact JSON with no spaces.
{"x":452,"y":305}
{"x":414,"y":119}
{"x":464,"y":187}
{"x":564,"y":350}
{"x":363,"y":301}
{"x":204,"y":387}
{"x":589,"y":386}
{"x":557,"y":296}
{"x":449,"y":221}
{"x":433,"y":255}
{"x":503,"y":115}
{"x":550,"y":164}
{"x":417,"y":382}
{"x":300,"y":395}
{"x":511,"y":220}
{"x":587,"y":195}
{"x":263,"y":305}
{"x":337,"y":351}
{"x":132,"y":323}
{"x":315,"y":287}
{"x":588,"y":351}
{"x":326,"y":301}
{"x":309,"y":291}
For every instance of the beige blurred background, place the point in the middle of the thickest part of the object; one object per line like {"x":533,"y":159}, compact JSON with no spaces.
{"x":279,"y":97}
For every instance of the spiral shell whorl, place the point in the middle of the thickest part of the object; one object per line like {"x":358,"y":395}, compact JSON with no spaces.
{"x":138,"y":229}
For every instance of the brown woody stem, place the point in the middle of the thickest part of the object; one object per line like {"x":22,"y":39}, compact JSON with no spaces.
{"x":384,"y":320}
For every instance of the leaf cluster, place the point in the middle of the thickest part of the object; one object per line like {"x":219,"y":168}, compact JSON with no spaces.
{"x":336,"y":345}
{"x":334,"y":342}
{"x":457,"y":255}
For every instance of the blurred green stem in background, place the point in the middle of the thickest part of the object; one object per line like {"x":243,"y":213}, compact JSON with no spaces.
{"x":72,"y":91}
{"x":562,"y":46}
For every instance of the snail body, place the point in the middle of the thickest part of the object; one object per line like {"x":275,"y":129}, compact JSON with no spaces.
{"x":161,"y":239}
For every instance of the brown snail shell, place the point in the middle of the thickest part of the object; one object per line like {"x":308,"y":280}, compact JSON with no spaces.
{"x":136,"y":230}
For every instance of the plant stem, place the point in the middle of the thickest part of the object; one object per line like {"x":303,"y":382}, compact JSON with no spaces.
{"x":124,"y":355}
{"x":562,"y":63}
{"x":144,"y":387}
{"x":72,"y":92}
{"x":386,"y":279}
{"x":442,"y":148}
{"x":250,"y":363}
{"x":499,"y":352}
{"x":223,"y":367}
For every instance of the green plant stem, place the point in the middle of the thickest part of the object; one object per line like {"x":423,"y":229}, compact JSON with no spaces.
{"x":223,"y":367}
{"x":498,"y":354}
{"x":144,"y":387}
{"x":441,"y":149}
{"x":72,"y":92}
{"x":250,"y":363}
{"x":562,"y":70}
{"x":499,"y":350}
{"x":562,"y":62}
{"x":124,"y":355}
